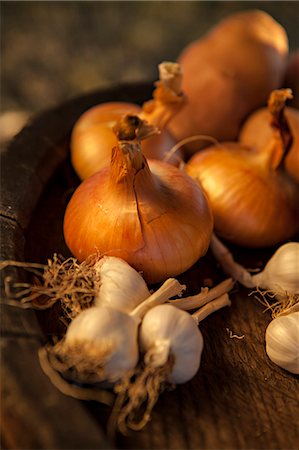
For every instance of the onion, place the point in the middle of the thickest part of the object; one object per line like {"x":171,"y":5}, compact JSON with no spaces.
{"x":228,"y":73}
{"x":260,"y":128}
{"x":93,"y":137}
{"x":253,"y":204}
{"x":150,"y":214}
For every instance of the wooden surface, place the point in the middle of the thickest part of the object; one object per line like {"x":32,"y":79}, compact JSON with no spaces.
{"x":238,"y":400}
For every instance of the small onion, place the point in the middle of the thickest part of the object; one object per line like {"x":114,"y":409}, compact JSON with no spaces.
{"x":258,"y":130}
{"x":254,"y":201}
{"x":93,"y":137}
{"x":228,"y":73}
{"x":253,"y":205}
{"x":152,"y":215}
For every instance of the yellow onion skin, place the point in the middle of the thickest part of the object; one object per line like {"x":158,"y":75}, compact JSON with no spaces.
{"x":257,"y":132}
{"x":292,"y":77}
{"x":155,"y":217}
{"x":228,"y":73}
{"x":252,"y":205}
{"x":93,"y":138}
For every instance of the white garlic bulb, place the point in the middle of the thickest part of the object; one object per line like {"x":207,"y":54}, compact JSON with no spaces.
{"x":121,"y":286}
{"x":282,"y":341}
{"x":105,"y":339}
{"x":101,"y":343}
{"x":167,"y":331}
{"x":281,"y":273}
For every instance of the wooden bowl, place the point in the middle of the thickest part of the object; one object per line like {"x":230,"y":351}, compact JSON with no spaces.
{"x":239,"y":399}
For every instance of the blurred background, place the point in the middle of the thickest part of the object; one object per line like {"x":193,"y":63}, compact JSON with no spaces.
{"x":53,"y":51}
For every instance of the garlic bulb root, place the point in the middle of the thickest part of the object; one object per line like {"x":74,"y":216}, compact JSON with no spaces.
{"x":99,"y":281}
{"x":100,"y":345}
{"x":172,"y":345}
{"x":67,"y":281}
{"x":148,"y":383}
{"x":72,"y":390}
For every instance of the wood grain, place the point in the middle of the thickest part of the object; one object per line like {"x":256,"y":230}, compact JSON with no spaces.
{"x":238,"y":400}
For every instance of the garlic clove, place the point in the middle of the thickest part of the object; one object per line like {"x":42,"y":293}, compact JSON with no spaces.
{"x":282,"y":342}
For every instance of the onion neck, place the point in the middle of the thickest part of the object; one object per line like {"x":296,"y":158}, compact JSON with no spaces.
{"x":127,"y":158}
{"x":282,"y":138}
{"x":167,"y":96}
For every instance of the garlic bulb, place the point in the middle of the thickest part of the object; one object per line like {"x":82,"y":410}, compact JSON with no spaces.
{"x":121,"y":286}
{"x":103,"y":341}
{"x":282,"y":342}
{"x":281,"y":273}
{"x":167,"y":331}
{"x":172,"y":345}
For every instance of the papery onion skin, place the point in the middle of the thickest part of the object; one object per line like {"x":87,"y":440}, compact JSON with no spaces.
{"x":292,"y":77}
{"x":93,"y":131}
{"x":252,"y":206}
{"x":228,"y":73}
{"x":282,"y":342}
{"x":157,"y":219}
{"x":93,"y":138}
{"x":256,"y":132}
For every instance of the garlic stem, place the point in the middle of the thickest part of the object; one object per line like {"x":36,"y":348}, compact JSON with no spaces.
{"x":204,"y":297}
{"x":169,"y":288}
{"x":229,"y":265}
{"x":211,"y":307}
